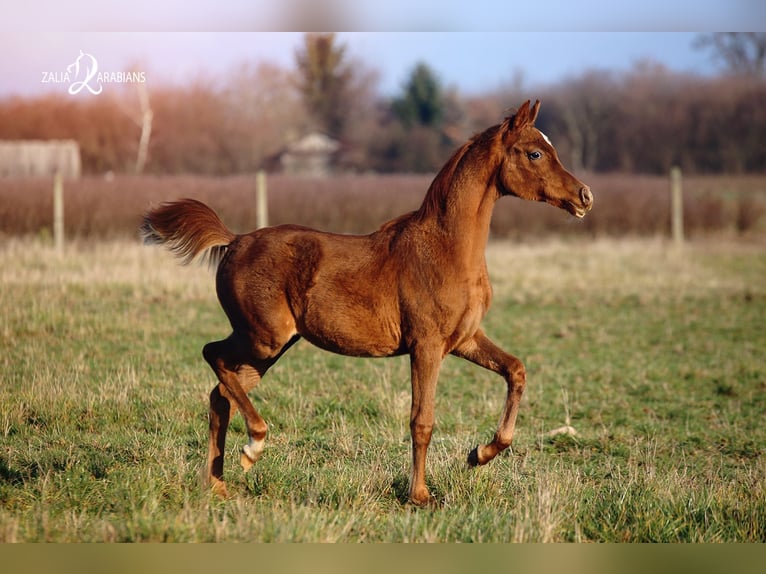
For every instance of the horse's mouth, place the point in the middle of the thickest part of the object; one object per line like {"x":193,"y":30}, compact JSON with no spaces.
{"x":577,"y":210}
{"x":584,"y":205}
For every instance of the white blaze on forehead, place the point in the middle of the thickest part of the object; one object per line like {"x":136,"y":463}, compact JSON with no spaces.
{"x":546,"y":138}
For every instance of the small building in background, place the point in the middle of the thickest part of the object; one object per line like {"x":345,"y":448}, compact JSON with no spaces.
{"x":39,"y":158}
{"x":312,"y":155}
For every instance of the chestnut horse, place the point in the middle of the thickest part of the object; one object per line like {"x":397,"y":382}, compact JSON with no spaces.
{"x":416,"y":286}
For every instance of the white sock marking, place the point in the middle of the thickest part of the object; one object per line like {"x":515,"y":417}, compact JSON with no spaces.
{"x":254,"y":448}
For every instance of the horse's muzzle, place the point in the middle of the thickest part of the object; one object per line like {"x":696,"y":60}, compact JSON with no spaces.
{"x":586,"y":203}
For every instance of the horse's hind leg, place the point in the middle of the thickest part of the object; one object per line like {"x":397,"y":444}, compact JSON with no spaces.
{"x":222,"y":408}
{"x":238,"y":371}
{"x":237,"y":375}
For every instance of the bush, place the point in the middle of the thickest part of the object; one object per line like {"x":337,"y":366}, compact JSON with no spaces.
{"x":625,"y":204}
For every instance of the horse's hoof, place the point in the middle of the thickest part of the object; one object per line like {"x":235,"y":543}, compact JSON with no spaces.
{"x":425,"y":502}
{"x":246,"y":461}
{"x":250,"y":453}
{"x":473,"y":457}
{"x":218,"y":488}
{"x":422,"y":498}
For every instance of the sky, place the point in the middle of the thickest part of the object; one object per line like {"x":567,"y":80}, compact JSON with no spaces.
{"x":383,"y":15}
{"x":470,"y":62}
{"x":472,"y":46}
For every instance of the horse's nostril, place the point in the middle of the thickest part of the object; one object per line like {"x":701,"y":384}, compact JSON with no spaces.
{"x":586,"y":196}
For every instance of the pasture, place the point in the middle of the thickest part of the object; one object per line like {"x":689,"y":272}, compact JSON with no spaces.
{"x":655,"y":357}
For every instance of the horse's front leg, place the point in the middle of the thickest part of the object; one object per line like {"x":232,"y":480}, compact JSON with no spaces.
{"x":424,"y":363}
{"x":483,"y":352}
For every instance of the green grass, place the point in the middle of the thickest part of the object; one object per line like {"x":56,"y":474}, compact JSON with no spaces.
{"x":656,"y":358}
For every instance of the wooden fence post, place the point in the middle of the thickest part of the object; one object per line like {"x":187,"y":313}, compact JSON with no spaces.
{"x":261,"y":200}
{"x":676,"y":206}
{"x":58,"y":212}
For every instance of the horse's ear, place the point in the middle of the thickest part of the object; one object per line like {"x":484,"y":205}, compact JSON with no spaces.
{"x":525,"y":116}
{"x":521,"y":117}
{"x":533,"y":112}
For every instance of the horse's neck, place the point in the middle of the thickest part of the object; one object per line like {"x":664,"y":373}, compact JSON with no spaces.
{"x":459,"y":205}
{"x":469,"y":227}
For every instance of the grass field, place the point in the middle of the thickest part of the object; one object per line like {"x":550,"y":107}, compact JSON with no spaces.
{"x":657,"y":358}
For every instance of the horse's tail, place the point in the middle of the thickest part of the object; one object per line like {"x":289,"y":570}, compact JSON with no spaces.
{"x":189,"y":228}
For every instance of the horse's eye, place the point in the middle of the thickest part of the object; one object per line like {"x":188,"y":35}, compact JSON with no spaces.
{"x":534,"y":155}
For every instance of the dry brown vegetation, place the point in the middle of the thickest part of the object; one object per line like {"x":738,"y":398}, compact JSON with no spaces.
{"x":625,"y":204}
{"x":640,"y":121}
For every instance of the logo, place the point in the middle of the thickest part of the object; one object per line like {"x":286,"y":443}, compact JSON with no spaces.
{"x":90,"y":72}
{"x":84,"y":74}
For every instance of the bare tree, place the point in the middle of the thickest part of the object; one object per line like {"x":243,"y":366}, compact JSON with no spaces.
{"x":146,"y":117}
{"x":581,"y":108}
{"x":143,"y":117}
{"x":741,"y":52}
{"x":263,"y":110}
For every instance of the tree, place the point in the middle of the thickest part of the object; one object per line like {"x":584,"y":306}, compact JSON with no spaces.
{"x":578,"y":111}
{"x":417,"y":135}
{"x":742,"y":52}
{"x":422,"y":103}
{"x":147,"y":115}
{"x":263,"y":110}
{"x":324,"y":79}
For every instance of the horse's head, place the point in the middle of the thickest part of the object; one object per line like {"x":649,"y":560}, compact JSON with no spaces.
{"x":531,"y":169}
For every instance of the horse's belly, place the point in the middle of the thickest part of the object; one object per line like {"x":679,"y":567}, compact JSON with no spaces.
{"x":357,"y":332}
